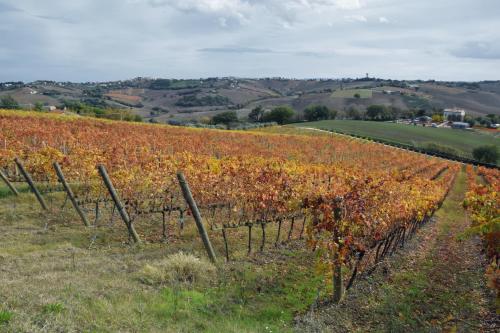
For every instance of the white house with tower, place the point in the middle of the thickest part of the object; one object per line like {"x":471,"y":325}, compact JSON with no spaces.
{"x":454,"y":114}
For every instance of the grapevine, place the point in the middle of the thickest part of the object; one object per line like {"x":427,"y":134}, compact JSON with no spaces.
{"x":359,"y":200}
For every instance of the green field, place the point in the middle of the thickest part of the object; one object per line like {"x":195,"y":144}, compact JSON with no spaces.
{"x":349,"y":93}
{"x":460,"y":140}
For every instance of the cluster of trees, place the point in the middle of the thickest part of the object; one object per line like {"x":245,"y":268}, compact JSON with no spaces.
{"x":163,"y":84}
{"x":486,"y":121}
{"x":319,"y":112}
{"x":8,"y":102}
{"x":280,"y":115}
{"x":285,"y":114}
{"x":386,"y":113}
{"x":383,"y":113}
{"x":193,"y":100}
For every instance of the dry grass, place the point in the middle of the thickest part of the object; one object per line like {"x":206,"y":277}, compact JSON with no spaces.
{"x":180,"y":268}
{"x":57,"y":276}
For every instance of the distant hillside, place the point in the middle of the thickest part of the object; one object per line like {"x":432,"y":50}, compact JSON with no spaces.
{"x":163,"y":99}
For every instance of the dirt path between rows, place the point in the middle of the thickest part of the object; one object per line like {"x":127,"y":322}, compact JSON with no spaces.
{"x":436,"y":284}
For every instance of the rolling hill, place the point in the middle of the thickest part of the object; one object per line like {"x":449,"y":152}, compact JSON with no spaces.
{"x":164,"y":99}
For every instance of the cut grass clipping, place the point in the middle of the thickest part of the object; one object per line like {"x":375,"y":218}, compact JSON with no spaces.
{"x":179,"y":269}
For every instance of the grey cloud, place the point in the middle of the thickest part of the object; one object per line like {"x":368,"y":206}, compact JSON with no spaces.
{"x":250,"y":50}
{"x":313,"y":54}
{"x":478,"y":50}
{"x":243,"y":10}
{"x":117,"y":39}
{"x":235,"y":49}
{"x":57,"y":19}
{"x":5,"y":7}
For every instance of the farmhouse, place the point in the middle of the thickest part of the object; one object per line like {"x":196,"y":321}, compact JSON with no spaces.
{"x":454,"y":114}
{"x":423,"y":120}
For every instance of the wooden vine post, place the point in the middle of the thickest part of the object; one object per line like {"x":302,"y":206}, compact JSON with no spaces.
{"x":226,"y":248}
{"x":9,"y":184}
{"x":31,"y":184}
{"x":70,"y":193}
{"x":338,"y":283}
{"x":118,"y":203}
{"x":186,"y":191}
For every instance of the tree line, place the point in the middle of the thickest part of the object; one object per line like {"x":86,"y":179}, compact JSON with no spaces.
{"x":280,"y":114}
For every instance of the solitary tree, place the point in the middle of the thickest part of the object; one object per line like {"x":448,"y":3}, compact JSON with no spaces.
{"x":256,"y":114}
{"x":225,"y":118}
{"x":280,"y":114}
{"x":38,"y":106}
{"x":319,"y":112}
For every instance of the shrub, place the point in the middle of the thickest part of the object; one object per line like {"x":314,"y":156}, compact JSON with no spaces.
{"x":486,"y":154}
{"x":437,"y":118}
{"x":38,"y":106}
{"x":179,"y":268}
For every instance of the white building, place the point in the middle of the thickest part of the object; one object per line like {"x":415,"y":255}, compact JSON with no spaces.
{"x":460,"y":125}
{"x":454,"y":114}
{"x":50,"y":108}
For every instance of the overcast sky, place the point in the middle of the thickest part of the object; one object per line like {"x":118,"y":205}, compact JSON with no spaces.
{"x":99,"y":40}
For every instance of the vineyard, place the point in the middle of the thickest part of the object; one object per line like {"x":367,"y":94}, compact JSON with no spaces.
{"x":352,"y":202}
{"x":483,"y":204}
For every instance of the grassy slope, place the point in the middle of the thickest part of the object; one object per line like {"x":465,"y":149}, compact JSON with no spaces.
{"x":55,"y":278}
{"x":349,"y":93}
{"x":463,"y":141}
{"x":437,"y":285}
